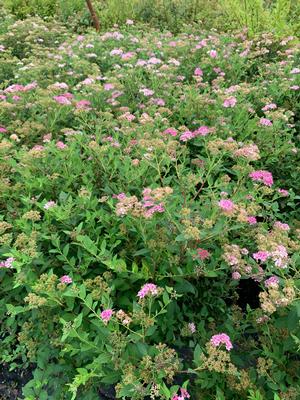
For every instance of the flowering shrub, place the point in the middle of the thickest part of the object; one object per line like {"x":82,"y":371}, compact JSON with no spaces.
{"x":149,"y":224}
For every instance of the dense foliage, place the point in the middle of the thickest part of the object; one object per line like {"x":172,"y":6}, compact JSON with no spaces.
{"x":149,"y":212}
{"x":281,"y":17}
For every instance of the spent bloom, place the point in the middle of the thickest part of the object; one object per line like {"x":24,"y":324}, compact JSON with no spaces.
{"x":221,"y":338}
{"x":106,"y":315}
{"x":148,"y":289}
{"x":66,"y":279}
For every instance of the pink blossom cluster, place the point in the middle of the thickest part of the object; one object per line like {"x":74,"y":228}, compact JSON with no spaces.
{"x":226,"y":205}
{"x":20,"y":88}
{"x":63,"y":99}
{"x":49,"y":204}
{"x":281,"y":226}
{"x":265,"y":122}
{"x":7,"y":263}
{"x":221,"y":338}
{"x":201,"y":131}
{"x":230,"y":102}
{"x":170,"y":131}
{"x":66,"y":279}
{"x":273,"y":281}
{"x":271,"y":106}
{"x":262,"y":176}
{"x":149,"y":289}
{"x":183,"y":395}
{"x":203,"y":254}
{"x":106,"y":315}
{"x":192,"y":327}
{"x":279,"y":256}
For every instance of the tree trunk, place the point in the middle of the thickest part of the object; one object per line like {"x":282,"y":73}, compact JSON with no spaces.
{"x":93,"y":15}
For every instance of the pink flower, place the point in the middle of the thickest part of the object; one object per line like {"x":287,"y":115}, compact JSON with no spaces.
{"x":295,"y":71}
{"x":261,"y":256}
{"x":283,"y":192}
{"x":273,"y":281}
{"x":49,"y":204}
{"x":262,"y":176}
{"x":129,"y":22}
{"x":147,"y":92}
{"x":226,"y":205}
{"x":187,"y":135}
{"x":47,"y":138}
{"x":221,"y":338}
{"x":83,"y":105}
{"x":66,"y":279}
{"x":149,"y":289}
{"x":236,"y":276}
{"x":203,"y":254}
{"x":170,"y":131}
{"x":230,"y":102}
{"x":265,"y":122}
{"x":271,"y":106}
{"x":106,"y":315}
{"x":61,"y":145}
{"x":108,"y":86}
{"x":7,"y":263}
{"x":251,"y":220}
{"x":2,"y":129}
{"x":62,"y":100}
{"x":213,"y":54}
{"x":202,"y":131}
{"x":183,"y":395}
{"x":192,"y":327}
{"x":281,"y":226}
{"x":198,"y":72}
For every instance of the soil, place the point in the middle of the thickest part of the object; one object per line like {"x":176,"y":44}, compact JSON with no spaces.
{"x":11,"y":382}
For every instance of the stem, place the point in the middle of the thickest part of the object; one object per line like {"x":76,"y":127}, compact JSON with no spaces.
{"x":93,"y":15}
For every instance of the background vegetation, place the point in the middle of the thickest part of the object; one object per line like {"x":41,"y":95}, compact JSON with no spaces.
{"x":278,"y":16}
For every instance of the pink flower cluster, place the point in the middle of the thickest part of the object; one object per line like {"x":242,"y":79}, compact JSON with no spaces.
{"x":149,"y":289}
{"x":230,"y":102}
{"x":20,"y":88}
{"x":7,"y":263}
{"x":201,"y":131}
{"x":106,"y":315}
{"x":49,"y":204}
{"x":221,"y":338}
{"x":262,"y":176}
{"x":265,"y":122}
{"x":183,"y":395}
{"x":273,"y":281}
{"x":66,"y":279}
{"x":226,"y":205}
{"x":170,"y":131}
{"x":63,"y":99}
{"x":203,"y":254}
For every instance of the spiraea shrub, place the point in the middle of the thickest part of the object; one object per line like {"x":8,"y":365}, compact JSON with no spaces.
{"x":149,"y":213}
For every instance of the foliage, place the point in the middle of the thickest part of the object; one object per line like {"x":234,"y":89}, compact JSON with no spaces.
{"x":146,"y":179}
{"x":278,"y":16}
